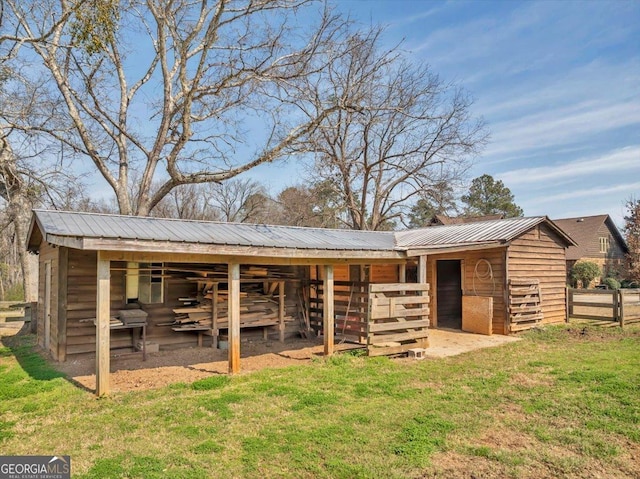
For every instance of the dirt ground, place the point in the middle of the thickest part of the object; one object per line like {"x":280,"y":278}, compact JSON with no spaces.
{"x":129,"y":372}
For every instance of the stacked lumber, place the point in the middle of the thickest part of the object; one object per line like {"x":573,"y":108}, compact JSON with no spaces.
{"x":256,"y":309}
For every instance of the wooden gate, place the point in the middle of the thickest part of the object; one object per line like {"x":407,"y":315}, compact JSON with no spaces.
{"x":398,"y":318}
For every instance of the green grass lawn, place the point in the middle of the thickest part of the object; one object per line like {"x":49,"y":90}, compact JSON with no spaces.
{"x":558,"y":404}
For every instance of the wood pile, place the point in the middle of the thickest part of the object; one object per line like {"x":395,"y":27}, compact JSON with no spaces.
{"x":258,"y":307}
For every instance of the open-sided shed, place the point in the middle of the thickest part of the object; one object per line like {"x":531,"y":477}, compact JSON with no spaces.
{"x":267,"y":277}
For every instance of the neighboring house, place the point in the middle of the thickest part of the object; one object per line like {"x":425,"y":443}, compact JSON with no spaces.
{"x":93,"y":264}
{"x":598,"y":240}
{"x":442,"y":220}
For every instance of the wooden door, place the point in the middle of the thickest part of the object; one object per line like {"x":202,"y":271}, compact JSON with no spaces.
{"x":47,"y":305}
{"x":449,"y":293}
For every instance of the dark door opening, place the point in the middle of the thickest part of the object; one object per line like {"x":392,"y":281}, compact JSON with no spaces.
{"x":449,"y":293}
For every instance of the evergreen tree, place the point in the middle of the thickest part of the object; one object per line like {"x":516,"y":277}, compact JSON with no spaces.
{"x":489,"y":197}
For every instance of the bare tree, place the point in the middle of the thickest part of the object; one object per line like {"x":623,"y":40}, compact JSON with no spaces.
{"x":172,"y":90}
{"x":409,"y":132}
{"x":237,"y":200}
{"x":19,"y":198}
{"x":189,"y":202}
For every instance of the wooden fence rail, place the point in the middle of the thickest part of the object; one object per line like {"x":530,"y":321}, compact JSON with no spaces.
{"x":620,"y":306}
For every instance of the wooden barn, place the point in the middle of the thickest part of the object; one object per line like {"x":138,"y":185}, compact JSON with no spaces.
{"x":110,"y":281}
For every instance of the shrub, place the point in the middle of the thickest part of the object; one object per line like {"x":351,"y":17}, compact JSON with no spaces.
{"x":611,"y":283}
{"x":585,"y":272}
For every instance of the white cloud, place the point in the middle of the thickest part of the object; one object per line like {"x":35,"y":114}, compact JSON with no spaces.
{"x":589,"y":192}
{"x":628,"y":157}
{"x":560,"y":126}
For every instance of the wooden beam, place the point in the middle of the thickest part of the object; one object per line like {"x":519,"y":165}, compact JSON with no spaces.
{"x":272,"y":253}
{"x":69,"y":242}
{"x":328,"y":311}
{"x":103,"y":315}
{"x":257,"y":259}
{"x":234,"y":318}
{"x":281,"y":310}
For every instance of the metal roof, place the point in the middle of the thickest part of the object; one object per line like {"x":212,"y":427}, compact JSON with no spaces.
{"x":120,"y":227}
{"x":54,"y":225}
{"x":481,"y":232}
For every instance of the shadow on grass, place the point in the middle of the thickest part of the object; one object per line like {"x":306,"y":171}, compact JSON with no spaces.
{"x":33,"y":373}
{"x":23,"y":347}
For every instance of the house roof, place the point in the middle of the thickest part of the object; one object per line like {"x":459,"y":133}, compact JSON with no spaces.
{"x":118,"y":232}
{"x":584,"y":230}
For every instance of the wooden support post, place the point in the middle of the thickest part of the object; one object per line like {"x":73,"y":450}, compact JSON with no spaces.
{"x":422,"y":269}
{"x":402,"y":273}
{"x":566,"y":304}
{"x":214,"y":316}
{"x":620,"y":294}
{"x":328,"y":310}
{"x":281,"y":310}
{"x":422,"y":276}
{"x":103,"y":319}
{"x":616,"y":307}
{"x":234,"y":318}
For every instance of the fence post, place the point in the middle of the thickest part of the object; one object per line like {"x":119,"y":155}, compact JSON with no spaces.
{"x":616,"y":306}
{"x":621,"y":306}
{"x":566,"y":304}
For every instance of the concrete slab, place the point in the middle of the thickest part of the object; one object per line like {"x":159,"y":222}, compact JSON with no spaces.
{"x":450,"y":342}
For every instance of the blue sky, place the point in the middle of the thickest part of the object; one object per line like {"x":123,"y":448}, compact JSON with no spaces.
{"x":557,"y":82}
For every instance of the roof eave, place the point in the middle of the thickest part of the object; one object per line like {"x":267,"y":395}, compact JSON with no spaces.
{"x":145,"y":246}
{"x":425,"y":251}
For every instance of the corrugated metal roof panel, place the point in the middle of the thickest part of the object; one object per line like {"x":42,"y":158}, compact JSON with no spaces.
{"x":91,"y":225}
{"x":466,"y":233}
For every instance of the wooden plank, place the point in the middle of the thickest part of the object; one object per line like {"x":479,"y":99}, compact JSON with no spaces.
{"x":523,"y":282}
{"x":378,"y":327}
{"x":103,"y":332}
{"x":594,"y":305}
{"x":328,"y":311}
{"x":528,"y":317}
{"x":385,"y":301}
{"x":524,"y":309}
{"x":398,"y":287}
{"x":389,"y":350}
{"x":234,"y":317}
{"x":398,"y":337}
{"x":383,"y":313}
{"x":593,"y":316}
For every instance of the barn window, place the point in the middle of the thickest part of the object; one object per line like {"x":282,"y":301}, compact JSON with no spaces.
{"x":145,"y":283}
{"x":604,"y":244}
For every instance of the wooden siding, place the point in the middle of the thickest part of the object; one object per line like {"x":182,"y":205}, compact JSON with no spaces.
{"x":81,"y":303}
{"x":472,"y":286}
{"x":383,"y":273}
{"x":593,"y":247}
{"x":540,"y":254}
